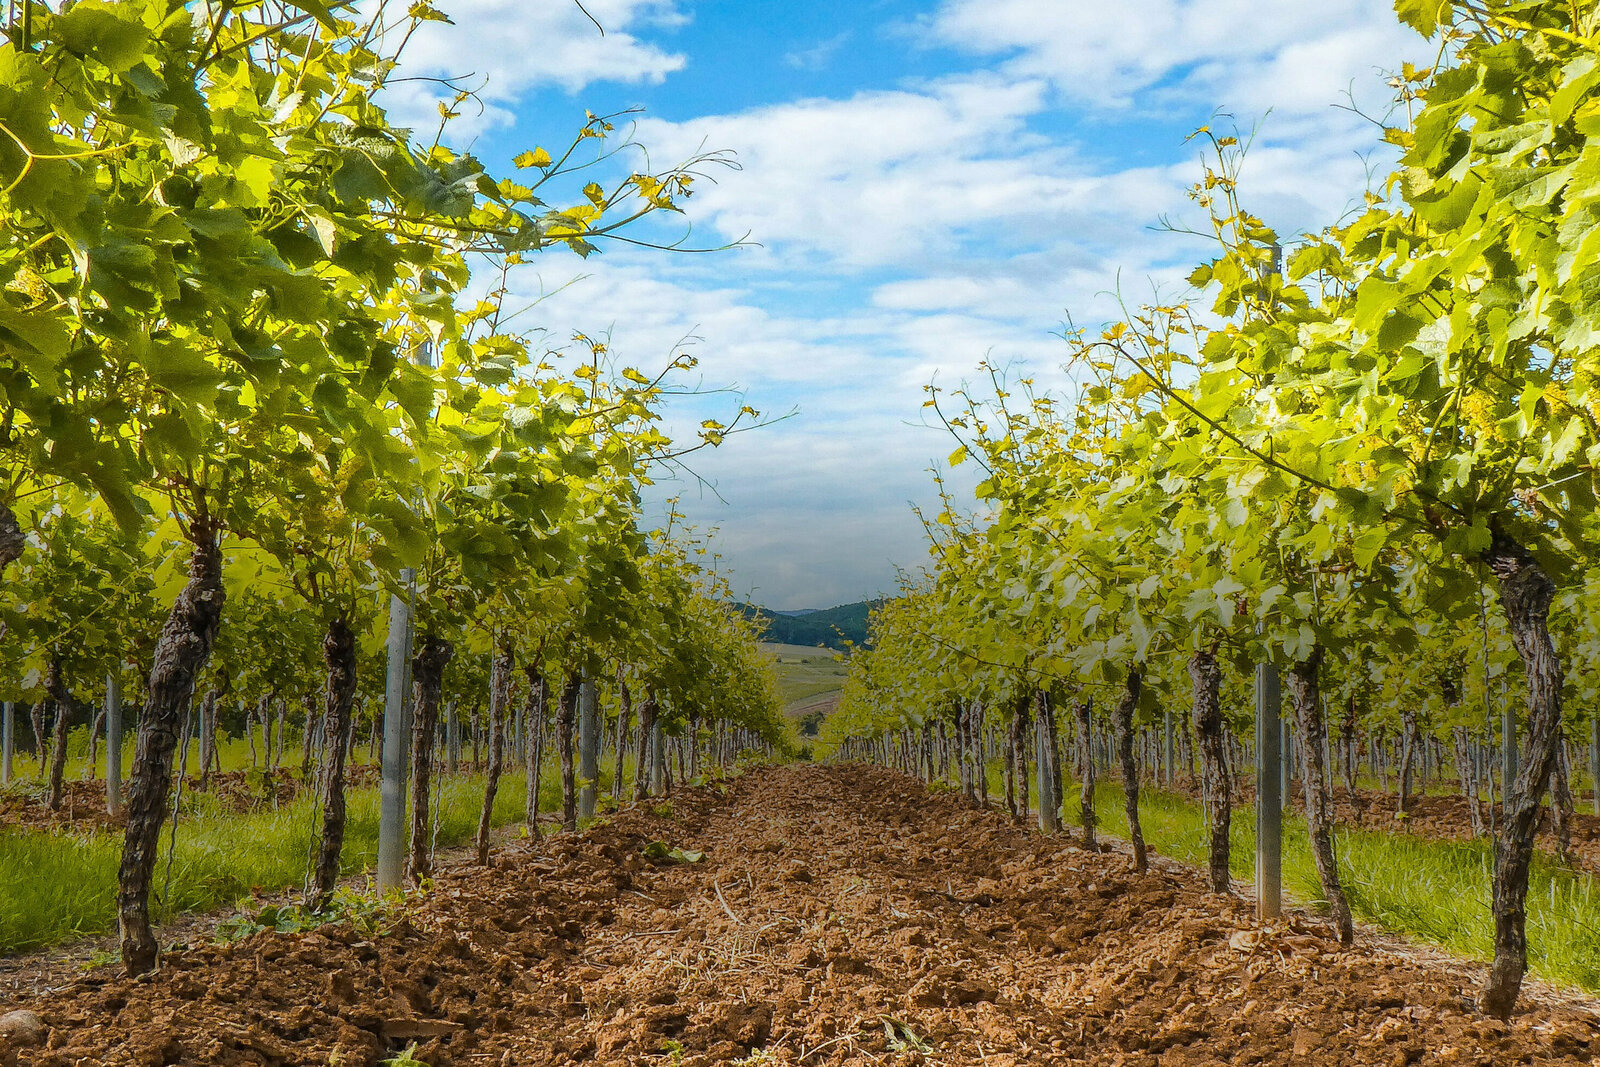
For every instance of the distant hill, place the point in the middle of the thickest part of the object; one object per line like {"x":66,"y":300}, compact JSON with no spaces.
{"x":830,"y":627}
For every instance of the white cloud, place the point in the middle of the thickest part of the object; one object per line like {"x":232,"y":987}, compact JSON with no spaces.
{"x":1294,"y":68}
{"x":504,"y":48}
{"x":816,"y":506}
{"x":882,"y":177}
{"x":1227,"y":53}
{"x":817,"y":56}
{"x":908,"y":234}
{"x":649,"y":310}
{"x":819,"y":513}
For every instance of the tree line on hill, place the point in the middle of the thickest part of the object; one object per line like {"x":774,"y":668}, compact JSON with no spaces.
{"x":830,"y":627}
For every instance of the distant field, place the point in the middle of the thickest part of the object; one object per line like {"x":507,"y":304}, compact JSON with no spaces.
{"x":805,"y":673}
{"x":801,"y":651}
{"x":826,"y":703}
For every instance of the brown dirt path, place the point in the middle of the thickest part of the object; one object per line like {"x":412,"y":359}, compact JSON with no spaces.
{"x":841,"y":915}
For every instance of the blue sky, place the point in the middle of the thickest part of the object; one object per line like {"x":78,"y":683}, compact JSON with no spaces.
{"x":928,"y":185}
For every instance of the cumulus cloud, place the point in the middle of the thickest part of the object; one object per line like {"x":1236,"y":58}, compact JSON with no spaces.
{"x":809,"y":518}
{"x":1298,"y":69}
{"x":906,"y":234}
{"x":880,"y":177}
{"x":815,"y":506}
{"x":1232,"y":53}
{"x":505,"y":48}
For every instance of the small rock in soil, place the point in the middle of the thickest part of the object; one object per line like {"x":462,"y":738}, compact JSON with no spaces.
{"x":22,"y":1029}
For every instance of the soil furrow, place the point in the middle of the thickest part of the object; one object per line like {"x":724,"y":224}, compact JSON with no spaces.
{"x":839,"y":915}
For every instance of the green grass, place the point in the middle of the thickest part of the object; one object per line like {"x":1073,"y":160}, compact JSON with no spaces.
{"x":805,"y":672}
{"x":54,"y":886}
{"x":1434,"y":891}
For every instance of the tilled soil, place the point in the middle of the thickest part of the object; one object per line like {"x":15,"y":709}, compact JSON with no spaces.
{"x":83,"y":802}
{"x":83,"y":808}
{"x":839,"y":915}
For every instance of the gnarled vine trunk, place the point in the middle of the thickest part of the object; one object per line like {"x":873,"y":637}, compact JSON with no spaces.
{"x":1008,"y":765}
{"x":624,"y":717}
{"x":312,"y":738}
{"x":339,"y":696}
{"x":36,"y":719}
{"x":1021,"y":726}
{"x":427,"y":673}
{"x":1215,"y":792}
{"x":95,"y":726}
{"x":1408,"y":759}
{"x":660,"y":777}
{"x":499,"y":699}
{"x":208,"y":734}
{"x":969,"y":788}
{"x":1525,"y":594}
{"x":1053,"y":742}
{"x":277,"y":752}
{"x":566,"y":731}
{"x":1305,"y":695}
{"x":1044,"y":730}
{"x":1123,"y":720}
{"x":181,"y":652}
{"x":1469,"y":779}
{"x":1083,"y":711}
{"x":58,"y":752}
{"x":980,"y":765}
{"x":1561,"y":805}
{"x":535,"y":722}
{"x":641,"y":769}
{"x":65,"y":706}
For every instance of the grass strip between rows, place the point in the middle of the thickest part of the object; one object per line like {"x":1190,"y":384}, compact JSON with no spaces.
{"x":55,"y":885}
{"x":1433,"y":890}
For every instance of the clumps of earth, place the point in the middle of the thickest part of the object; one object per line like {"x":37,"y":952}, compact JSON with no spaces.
{"x":835,"y":915}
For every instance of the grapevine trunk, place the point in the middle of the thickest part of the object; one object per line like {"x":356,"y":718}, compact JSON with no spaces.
{"x":1021,"y":725}
{"x":647,"y":722}
{"x":499,"y":698}
{"x":427,"y":672}
{"x":61,"y":697}
{"x":1123,"y":717}
{"x":566,"y":727}
{"x":1525,"y":594}
{"x":1083,"y":711}
{"x":535,"y":717}
{"x":1305,"y":694}
{"x":339,"y":655}
{"x":181,"y":652}
{"x":1216,"y":795}
{"x":624,"y":717}
{"x":1049,"y":773}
